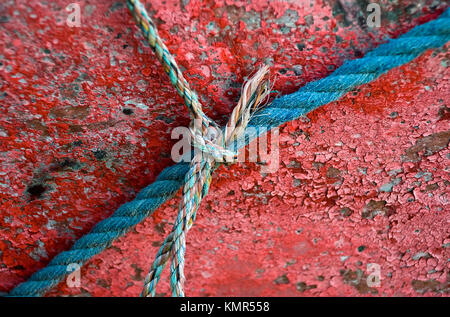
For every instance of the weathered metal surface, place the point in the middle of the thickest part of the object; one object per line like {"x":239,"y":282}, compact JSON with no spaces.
{"x":86,"y":119}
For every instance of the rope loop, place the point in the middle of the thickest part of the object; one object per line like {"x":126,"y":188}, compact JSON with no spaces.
{"x":212,"y":141}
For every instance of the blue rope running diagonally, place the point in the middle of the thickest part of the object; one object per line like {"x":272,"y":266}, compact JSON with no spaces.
{"x":351,"y":74}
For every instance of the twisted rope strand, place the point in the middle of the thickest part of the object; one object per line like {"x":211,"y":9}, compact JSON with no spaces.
{"x":254,"y":92}
{"x":190,"y":203}
{"x":387,"y":56}
{"x":199,"y":176}
{"x":357,"y":72}
{"x":167,"y":60}
{"x":200,"y":171}
{"x":105,"y":232}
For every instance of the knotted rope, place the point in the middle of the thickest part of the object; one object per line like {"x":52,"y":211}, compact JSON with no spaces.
{"x":351,"y":74}
{"x":206,"y":137}
{"x":213,"y":149}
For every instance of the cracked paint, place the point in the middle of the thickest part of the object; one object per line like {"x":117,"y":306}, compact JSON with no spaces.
{"x":86,"y":121}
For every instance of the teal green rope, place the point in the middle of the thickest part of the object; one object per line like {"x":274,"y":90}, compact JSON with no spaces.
{"x":350,"y":75}
{"x":164,"y":254}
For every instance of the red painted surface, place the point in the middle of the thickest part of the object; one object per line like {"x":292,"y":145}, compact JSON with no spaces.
{"x":86,"y":119}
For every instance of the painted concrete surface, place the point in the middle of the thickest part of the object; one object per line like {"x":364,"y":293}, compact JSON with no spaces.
{"x":86,"y":120}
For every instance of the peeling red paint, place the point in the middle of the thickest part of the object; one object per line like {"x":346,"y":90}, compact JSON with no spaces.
{"x":86,"y":120}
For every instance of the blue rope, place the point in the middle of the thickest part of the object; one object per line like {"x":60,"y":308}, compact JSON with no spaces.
{"x":351,"y":74}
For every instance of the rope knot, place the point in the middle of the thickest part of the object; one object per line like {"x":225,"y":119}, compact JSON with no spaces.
{"x":214,"y":142}
{"x":209,"y":143}
{"x":215,"y":145}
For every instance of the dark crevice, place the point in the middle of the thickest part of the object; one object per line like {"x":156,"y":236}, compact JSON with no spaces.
{"x":36,"y":191}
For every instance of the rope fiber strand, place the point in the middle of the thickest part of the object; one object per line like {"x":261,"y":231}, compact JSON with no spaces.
{"x":210,"y":142}
{"x":351,"y":74}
